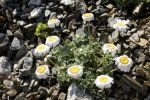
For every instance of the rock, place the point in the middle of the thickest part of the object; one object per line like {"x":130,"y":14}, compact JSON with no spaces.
{"x":36,"y":12}
{"x":98,"y":2}
{"x":29,"y":30}
{"x":55,"y":94}
{"x":141,"y":72}
{"x":11,"y":93}
{"x":138,"y":9}
{"x":142,"y":58}
{"x":4,"y":41}
{"x":2,"y":78}
{"x":135,"y":37}
{"x":43,"y":91}
{"x":132,"y":45}
{"x":47,"y":13}
{"x":147,"y":83}
{"x":114,"y":37}
{"x":5,"y":67}
{"x":81,"y":6}
{"x":8,"y":84}
{"x":143,"y":42}
{"x":134,"y":84}
{"x":21,"y":53}
{"x":109,"y":6}
{"x":62,"y":96}
{"x":140,"y":33}
{"x":21,"y":23}
{"x":15,"y":12}
{"x":18,"y":33}
{"x":74,"y":93}
{"x":18,"y":97}
{"x":28,"y":62}
{"x":9,"y":33}
{"x":9,"y":15}
{"x":15,"y":45}
{"x":34,"y":2}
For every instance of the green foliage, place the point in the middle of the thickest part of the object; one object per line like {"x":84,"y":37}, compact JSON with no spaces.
{"x":85,"y":51}
{"x":40,"y":30}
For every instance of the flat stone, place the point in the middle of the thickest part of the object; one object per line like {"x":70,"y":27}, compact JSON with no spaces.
{"x":143,"y":42}
{"x":134,"y":84}
{"x":11,"y":93}
{"x":74,"y":93}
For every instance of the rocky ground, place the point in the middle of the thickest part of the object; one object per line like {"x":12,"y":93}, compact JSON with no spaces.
{"x":18,"y":21}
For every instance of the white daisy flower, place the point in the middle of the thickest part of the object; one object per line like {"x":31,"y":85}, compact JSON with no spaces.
{"x":67,"y":2}
{"x":104,"y":81}
{"x":124,"y":63}
{"x":109,"y":48}
{"x":52,"y":23}
{"x":88,"y":17}
{"x":42,"y":71}
{"x":52,"y":41}
{"x":121,"y":25}
{"x":41,"y":50}
{"x":75,"y":71}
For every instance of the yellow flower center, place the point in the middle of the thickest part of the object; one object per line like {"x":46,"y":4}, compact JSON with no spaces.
{"x":51,"y":38}
{"x":121,"y":24}
{"x":103,"y":79}
{"x":40,"y":47}
{"x":53,"y":20}
{"x":111,"y":46}
{"x":41,"y":69}
{"x":124,"y":60}
{"x":87,"y":14}
{"x":74,"y":69}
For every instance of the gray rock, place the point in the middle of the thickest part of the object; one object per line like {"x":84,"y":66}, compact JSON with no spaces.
{"x":9,"y":15}
{"x":142,"y":58}
{"x":21,"y":22}
{"x":11,"y":93}
{"x":47,"y":13}
{"x":4,"y":41}
{"x":81,"y":6}
{"x":15,"y":45}
{"x":15,"y":12}
{"x":36,"y":12}
{"x":9,"y":32}
{"x":28,"y":62}
{"x":74,"y":93}
{"x":18,"y":33}
{"x":34,"y":2}
{"x":21,"y":53}
{"x":5,"y":67}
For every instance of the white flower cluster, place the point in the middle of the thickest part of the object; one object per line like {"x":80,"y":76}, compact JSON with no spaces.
{"x":42,"y":49}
